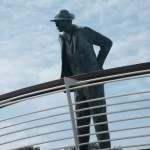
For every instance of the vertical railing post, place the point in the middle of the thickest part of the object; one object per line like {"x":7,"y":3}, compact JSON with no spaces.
{"x":69,"y":82}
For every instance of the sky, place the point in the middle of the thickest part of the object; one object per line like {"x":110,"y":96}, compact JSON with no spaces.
{"x":30,"y":50}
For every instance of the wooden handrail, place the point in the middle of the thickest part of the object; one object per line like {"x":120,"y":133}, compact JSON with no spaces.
{"x":82,"y":77}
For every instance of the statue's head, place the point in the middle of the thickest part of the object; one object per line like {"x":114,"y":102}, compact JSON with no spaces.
{"x":63,"y":19}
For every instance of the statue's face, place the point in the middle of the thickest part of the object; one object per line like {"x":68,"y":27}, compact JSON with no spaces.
{"x":61,"y":25}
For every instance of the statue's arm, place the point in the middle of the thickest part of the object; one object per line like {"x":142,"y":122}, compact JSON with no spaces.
{"x":99,"y":40}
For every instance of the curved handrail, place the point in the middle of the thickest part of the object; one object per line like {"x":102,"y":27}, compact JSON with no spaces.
{"x":41,"y":88}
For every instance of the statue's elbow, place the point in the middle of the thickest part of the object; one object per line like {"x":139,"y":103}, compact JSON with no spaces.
{"x":110,"y":44}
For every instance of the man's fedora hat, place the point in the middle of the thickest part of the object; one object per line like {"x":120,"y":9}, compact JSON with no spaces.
{"x":63,"y":15}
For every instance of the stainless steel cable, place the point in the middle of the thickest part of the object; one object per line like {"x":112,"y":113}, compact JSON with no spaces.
{"x":28,"y":137}
{"x":114,"y":104}
{"x":110,"y":81}
{"x":118,"y":130}
{"x":114,"y":121}
{"x":114,"y":96}
{"x":7,"y":100}
{"x":117,"y":139}
{"x":36,"y":119}
{"x":50,"y":116}
{"x":24,"y":99}
{"x":113,"y":112}
{"x":16,"y":131}
{"x":102,"y":141}
{"x":34,"y":112}
{"x":109,"y":97}
{"x":112,"y":76}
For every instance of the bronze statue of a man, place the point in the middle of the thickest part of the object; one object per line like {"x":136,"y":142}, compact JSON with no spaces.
{"x":78,"y":57}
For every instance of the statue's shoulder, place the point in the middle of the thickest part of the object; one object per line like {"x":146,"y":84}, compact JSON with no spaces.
{"x":78,"y":28}
{"x":83,"y":30}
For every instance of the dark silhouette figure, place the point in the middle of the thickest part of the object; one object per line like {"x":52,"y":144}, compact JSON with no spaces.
{"x":78,"y":57}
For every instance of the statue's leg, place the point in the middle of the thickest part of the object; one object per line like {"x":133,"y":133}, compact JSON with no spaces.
{"x":86,"y":130}
{"x":97,"y":92}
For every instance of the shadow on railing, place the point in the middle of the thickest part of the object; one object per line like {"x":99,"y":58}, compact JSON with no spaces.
{"x":61,"y":124}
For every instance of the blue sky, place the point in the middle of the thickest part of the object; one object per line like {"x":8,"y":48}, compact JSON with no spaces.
{"x":29,"y":47}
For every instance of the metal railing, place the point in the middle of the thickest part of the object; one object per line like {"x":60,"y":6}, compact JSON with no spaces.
{"x":129,"y":126}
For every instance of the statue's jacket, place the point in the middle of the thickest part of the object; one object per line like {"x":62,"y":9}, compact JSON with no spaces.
{"x":78,"y":57}
{"x":83,"y":58}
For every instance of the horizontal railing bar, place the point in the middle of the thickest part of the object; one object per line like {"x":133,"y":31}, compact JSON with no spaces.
{"x":108,"y":72}
{"x":102,"y":141}
{"x":127,"y":78}
{"x":62,"y":86}
{"x":40,"y":118}
{"x":113,"y":112}
{"x":110,"y":81}
{"x":114,"y":104}
{"x":16,"y":131}
{"x":77,"y":110}
{"x":36,"y":136}
{"x":78,"y":84}
{"x":133,"y":118}
{"x":109,"y":97}
{"x":57,"y":81}
{"x":73,"y":103}
{"x":34,"y":112}
{"x":50,"y":116}
{"x":118,"y":130}
{"x":28,"y":98}
{"x":98,"y":83}
{"x":114,"y":121}
{"x":112,"y":76}
{"x":116,"y":139}
{"x":121,"y":103}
